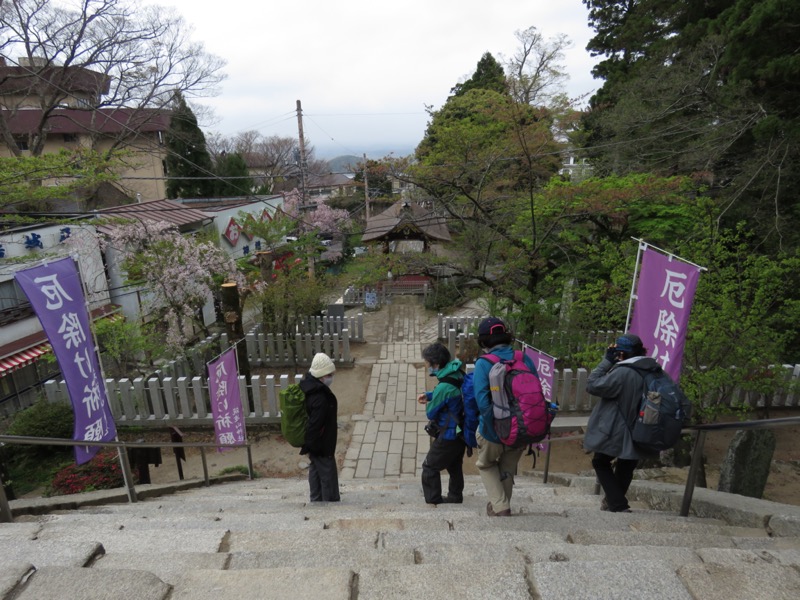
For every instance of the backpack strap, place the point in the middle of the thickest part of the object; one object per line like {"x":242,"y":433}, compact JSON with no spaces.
{"x":492,"y":358}
{"x":454,"y":381}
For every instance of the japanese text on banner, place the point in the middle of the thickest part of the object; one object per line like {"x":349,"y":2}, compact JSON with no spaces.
{"x":664,"y":298}
{"x":226,"y":404}
{"x":56,"y":294}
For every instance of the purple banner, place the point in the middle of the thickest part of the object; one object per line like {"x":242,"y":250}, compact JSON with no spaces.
{"x":664,"y":296}
{"x":56,"y":295}
{"x":226,"y":403}
{"x":546,"y":367}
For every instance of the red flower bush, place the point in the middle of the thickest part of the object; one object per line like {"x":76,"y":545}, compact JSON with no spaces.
{"x":101,"y":473}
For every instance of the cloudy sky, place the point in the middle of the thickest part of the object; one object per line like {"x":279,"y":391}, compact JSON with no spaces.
{"x":364,"y":70}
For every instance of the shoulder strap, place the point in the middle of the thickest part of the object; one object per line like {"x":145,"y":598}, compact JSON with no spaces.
{"x":494,"y":358}
{"x":454,"y":381}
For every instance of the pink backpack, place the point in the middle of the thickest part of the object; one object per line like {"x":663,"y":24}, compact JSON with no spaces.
{"x":522,"y":416}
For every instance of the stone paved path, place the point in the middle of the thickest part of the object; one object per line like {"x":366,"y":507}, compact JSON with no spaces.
{"x":388,"y":438}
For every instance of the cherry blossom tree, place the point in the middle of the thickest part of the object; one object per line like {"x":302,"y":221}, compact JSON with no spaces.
{"x":314,"y":215}
{"x":179,"y":271}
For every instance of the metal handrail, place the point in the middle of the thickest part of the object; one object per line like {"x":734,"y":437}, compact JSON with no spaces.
{"x":697,"y":450}
{"x":5,"y":510}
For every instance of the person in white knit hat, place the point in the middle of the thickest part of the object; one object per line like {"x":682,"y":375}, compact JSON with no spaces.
{"x":321,"y":430}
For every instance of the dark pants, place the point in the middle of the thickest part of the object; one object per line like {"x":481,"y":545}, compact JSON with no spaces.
{"x":323,"y":479}
{"x":444,"y":454}
{"x":615,"y":480}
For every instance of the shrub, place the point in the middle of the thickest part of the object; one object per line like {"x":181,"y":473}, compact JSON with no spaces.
{"x":101,"y":473}
{"x":43,"y":420}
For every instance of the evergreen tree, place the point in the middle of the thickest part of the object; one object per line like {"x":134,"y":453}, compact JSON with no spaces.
{"x":489,"y":75}
{"x":187,"y":155}
{"x":707,"y":89}
{"x":233,"y":177}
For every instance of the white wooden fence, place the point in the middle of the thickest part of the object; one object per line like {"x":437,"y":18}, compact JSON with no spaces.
{"x":455,"y":330}
{"x":268,"y":350}
{"x":182,"y":401}
{"x":159,"y":402}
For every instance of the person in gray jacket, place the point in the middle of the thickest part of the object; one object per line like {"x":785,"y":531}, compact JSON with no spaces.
{"x":608,"y":434}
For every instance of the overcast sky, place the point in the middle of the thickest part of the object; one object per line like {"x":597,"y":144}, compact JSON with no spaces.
{"x":364,"y":70}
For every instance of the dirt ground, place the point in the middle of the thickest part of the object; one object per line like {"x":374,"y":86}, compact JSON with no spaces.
{"x":273,"y":457}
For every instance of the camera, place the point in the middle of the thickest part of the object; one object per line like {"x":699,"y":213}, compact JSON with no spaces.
{"x":432,"y":429}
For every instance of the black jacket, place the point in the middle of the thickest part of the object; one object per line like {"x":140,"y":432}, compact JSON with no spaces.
{"x":321,"y":404}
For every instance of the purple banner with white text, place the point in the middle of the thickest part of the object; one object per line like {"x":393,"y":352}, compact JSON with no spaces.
{"x":55,"y":292}
{"x":226,"y":403}
{"x":546,"y":367}
{"x":664,"y":296}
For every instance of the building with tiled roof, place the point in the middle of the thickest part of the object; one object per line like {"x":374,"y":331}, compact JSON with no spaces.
{"x":74,"y":121}
{"x":406,"y":220}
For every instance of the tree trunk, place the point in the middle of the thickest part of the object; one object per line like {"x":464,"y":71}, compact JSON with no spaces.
{"x":232,"y":312}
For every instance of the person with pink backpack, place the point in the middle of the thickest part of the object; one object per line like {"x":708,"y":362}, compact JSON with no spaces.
{"x":497,"y":461}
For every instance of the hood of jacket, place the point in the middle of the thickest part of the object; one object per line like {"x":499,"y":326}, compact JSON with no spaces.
{"x":451,"y":369}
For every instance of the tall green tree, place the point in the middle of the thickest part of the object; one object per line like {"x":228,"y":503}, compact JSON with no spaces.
{"x":233,"y":177}
{"x":188,"y":163}
{"x":707,"y":89}
{"x":489,"y":75}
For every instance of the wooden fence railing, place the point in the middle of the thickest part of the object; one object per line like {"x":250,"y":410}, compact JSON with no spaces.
{"x":159,"y":402}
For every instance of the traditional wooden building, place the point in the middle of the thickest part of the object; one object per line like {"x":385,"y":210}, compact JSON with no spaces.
{"x":406,"y":220}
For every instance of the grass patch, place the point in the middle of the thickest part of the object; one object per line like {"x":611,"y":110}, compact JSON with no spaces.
{"x":236,"y":469}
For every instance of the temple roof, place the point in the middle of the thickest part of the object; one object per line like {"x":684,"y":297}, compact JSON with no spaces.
{"x":406,"y":220}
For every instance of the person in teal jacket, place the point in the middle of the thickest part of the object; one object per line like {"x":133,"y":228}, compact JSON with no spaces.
{"x":444,"y":408}
{"x":497,"y":464}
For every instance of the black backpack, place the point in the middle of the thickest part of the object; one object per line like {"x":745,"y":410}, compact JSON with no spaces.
{"x":663,"y":411}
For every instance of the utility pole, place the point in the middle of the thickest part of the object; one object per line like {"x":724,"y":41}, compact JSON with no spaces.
{"x":303,"y":164}
{"x":366,"y":189}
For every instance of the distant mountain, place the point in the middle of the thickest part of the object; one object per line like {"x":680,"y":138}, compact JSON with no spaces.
{"x":345,"y":163}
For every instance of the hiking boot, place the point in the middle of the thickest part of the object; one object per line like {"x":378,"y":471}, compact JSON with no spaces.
{"x":452,"y":500}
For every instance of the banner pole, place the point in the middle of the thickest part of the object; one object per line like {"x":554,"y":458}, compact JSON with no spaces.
{"x":642,"y":246}
{"x":670,"y":254}
{"x":122,"y":453}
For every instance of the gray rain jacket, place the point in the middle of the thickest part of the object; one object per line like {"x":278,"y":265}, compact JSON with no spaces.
{"x":620,"y":390}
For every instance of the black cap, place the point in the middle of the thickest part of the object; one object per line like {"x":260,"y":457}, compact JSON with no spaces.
{"x":629,"y":343}
{"x":491,"y":325}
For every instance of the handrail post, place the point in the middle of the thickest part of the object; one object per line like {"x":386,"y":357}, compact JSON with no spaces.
{"x":205,"y":466}
{"x":547,"y":461}
{"x":5,"y":509}
{"x":127,"y":477}
{"x":697,"y":458}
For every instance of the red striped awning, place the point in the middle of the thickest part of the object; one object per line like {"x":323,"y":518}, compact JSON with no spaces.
{"x":22,"y":358}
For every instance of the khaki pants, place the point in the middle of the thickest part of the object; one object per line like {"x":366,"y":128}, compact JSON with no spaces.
{"x":497,"y":465}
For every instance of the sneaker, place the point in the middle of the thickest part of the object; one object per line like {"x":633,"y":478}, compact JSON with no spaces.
{"x":503,"y":513}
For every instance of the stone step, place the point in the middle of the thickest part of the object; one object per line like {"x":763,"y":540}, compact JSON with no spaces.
{"x":41,"y":553}
{"x":60,"y":583}
{"x":257,"y":539}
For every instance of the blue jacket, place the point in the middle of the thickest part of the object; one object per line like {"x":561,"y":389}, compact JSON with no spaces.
{"x":445,"y":404}
{"x":482,"y":394}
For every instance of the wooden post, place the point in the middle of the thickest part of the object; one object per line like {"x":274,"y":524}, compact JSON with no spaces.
{"x":232,"y":313}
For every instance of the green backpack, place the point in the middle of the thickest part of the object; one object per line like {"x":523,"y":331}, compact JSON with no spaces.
{"x":294,"y":416}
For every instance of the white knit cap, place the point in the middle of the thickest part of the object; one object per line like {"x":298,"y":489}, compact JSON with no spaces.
{"x":321,"y":365}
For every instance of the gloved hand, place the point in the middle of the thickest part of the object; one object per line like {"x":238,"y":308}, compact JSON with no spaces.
{"x":611,"y":354}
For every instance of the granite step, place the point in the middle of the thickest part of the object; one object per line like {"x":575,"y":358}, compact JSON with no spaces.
{"x":263,"y":539}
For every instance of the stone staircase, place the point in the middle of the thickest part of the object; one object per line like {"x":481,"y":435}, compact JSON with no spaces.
{"x":262,"y":539}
